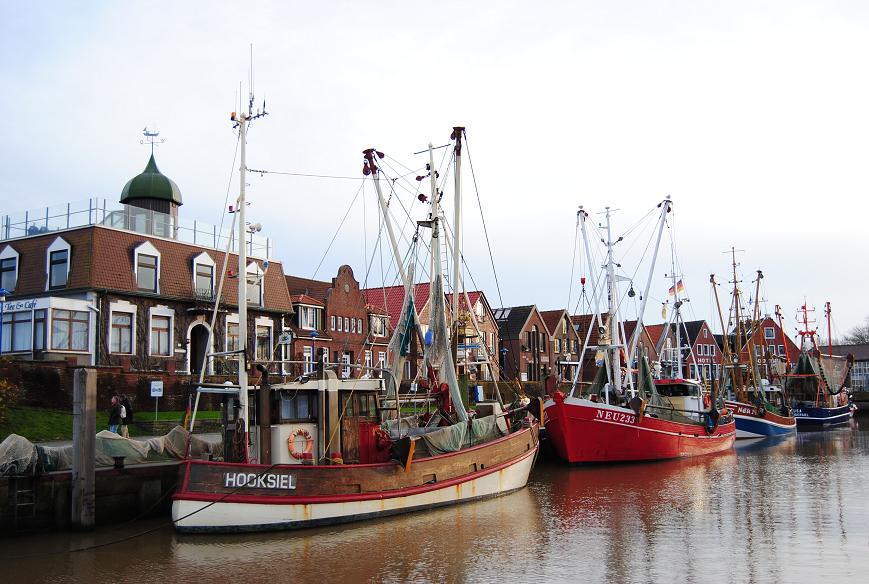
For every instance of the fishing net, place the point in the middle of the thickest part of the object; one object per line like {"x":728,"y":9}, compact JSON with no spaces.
{"x":462,"y":435}
{"x":438,"y":355}
{"x":17,"y":456}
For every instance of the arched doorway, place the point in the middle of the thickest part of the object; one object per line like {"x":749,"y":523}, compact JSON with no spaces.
{"x":198,"y":336}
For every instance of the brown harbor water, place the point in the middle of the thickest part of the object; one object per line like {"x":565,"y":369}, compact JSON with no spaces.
{"x":793,"y":510}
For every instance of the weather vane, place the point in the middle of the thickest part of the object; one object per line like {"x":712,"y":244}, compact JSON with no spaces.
{"x":151,"y":137}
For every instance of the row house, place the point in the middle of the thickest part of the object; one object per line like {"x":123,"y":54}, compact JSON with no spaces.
{"x":566,"y":343}
{"x":588,"y":330}
{"x":772,"y":347}
{"x":526,"y":353}
{"x":473,"y":344}
{"x":334,"y":324}
{"x":131,"y":285}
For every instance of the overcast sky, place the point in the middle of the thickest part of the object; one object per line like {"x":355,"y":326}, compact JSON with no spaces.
{"x":751,"y":115}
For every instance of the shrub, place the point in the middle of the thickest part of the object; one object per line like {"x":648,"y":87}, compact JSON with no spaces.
{"x":9,"y":395}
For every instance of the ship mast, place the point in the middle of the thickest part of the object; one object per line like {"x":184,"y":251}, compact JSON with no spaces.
{"x":612,"y":324}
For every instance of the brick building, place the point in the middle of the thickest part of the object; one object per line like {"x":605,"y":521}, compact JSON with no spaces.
{"x":333,"y":320}
{"x":132,"y":285}
{"x":526,"y":353}
{"x":565,"y":342}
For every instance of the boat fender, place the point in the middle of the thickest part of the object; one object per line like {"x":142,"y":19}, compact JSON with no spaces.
{"x":707,"y":401}
{"x":291,"y":444}
{"x":382,"y":439}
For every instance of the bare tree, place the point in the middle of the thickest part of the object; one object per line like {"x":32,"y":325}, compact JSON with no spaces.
{"x":859,"y":335}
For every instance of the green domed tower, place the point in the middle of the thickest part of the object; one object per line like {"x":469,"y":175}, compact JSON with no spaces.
{"x":152,"y":190}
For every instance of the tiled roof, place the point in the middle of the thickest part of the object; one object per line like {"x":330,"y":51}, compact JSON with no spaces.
{"x":511,"y":320}
{"x":102,"y":259}
{"x":860,"y":352}
{"x":552,"y":318}
{"x":394,"y":296}
{"x":313,"y":288}
{"x":305,"y":299}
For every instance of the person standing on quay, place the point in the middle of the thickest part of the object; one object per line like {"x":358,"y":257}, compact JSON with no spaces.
{"x":115,"y":415}
{"x":126,"y":416}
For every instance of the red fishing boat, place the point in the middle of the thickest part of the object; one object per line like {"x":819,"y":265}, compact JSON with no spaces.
{"x":615,"y":421}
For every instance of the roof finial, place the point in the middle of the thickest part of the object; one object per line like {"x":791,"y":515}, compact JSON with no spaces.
{"x":151,"y":136}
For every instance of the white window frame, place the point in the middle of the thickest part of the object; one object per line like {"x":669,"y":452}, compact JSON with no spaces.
{"x":769,"y":333}
{"x":146,"y":248}
{"x":10,"y":252}
{"x":124,"y":306}
{"x":340,"y":324}
{"x":203,"y":259}
{"x":256,"y":271}
{"x":345,"y":360}
{"x":369,"y":360}
{"x":308,"y":358}
{"x":161,"y":310}
{"x":264,"y":321}
{"x":332,"y":322}
{"x":381,"y":362}
{"x":231,"y":318}
{"x":59,"y":244}
{"x":301,"y":308}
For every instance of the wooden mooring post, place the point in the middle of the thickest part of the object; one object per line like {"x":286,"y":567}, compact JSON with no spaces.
{"x":83,"y":448}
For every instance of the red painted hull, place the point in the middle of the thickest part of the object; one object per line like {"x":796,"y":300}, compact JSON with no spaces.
{"x":584,"y":431}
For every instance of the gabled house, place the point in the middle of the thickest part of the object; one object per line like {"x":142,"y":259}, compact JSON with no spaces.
{"x":335,"y":325}
{"x":472,"y":345}
{"x":565,"y":343}
{"x":525,"y":348}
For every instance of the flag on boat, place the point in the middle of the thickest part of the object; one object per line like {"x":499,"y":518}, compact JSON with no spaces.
{"x":678,"y":287}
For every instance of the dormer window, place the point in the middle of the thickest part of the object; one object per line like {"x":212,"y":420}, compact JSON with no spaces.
{"x":57,"y":260}
{"x":203,"y":276}
{"x":8,"y":268}
{"x":254,"y":284}
{"x":146,"y":273}
{"x":378,"y":326}
{"x":147,"y":268}
{"x":310,"y":317}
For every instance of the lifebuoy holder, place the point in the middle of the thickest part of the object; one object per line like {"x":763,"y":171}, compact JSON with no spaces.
{"x":291,"y":443}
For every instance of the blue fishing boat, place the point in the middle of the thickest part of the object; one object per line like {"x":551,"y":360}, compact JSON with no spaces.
{"x":817,"y":383}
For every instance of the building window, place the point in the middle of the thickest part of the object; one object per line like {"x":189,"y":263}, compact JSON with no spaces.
{"x":768,"y":332}
{"x":359,"y":325}
{"x":16,"y":332}
{"x":352,"y":325}
{"x":308,"y":358}
{"x":39,"y":330}
{"x":69,"y":330}
{"x":378,"y":326}
{"x":160,"y":337}
{"x":781,"y":350}
{"x":381,"y":362}
{"x":121,"y":338}
{"x":369,"y":361}
{"x":58,"y":268}
{"x":263,"y":343}
{"x":310,"y":318}
{"x":146,"y":272}
{"x":340,"y":324}
{"x":254,"y":284}
{"x":8,"y":273}
{"x":345,"y":359}
{"x":232,"y":340}
{"x":346,"y":324}
{"x":332,"y":322}
{"x":204,"y":281}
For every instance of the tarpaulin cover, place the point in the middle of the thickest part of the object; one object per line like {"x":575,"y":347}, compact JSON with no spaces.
{"x":462,"y":435}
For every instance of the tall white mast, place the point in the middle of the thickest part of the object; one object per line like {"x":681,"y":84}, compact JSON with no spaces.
{"x":612,"y":293}
{"x":242,"y":120}
{"x":457,"y":224}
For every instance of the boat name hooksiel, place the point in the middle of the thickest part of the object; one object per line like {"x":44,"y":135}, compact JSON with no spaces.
{"x":252,"y":480}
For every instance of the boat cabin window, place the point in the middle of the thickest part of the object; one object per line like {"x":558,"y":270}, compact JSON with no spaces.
{"x":677,"y":390}
{"x":360,"y":404}
{"x":295,"y":406}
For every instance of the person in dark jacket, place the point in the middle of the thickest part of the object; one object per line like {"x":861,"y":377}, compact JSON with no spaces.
{"x":115,"y":415}
{"x":126,"y":416}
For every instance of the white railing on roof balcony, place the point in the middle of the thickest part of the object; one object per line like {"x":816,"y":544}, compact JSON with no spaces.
{"x":98,"y":211}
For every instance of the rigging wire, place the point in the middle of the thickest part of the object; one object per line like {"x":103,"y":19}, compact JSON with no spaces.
{"x":573,"y":261}
{"x":335,"y":236}
{"x":483,"y":217}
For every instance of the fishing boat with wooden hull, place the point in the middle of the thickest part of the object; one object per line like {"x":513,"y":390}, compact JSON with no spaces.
{"x":615,"y":420}
{"x":320,"y":449}
{"x":817,"y":383}
{"x":759,"y":408}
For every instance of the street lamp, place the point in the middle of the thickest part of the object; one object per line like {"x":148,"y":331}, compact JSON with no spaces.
{"x":3,"y":293}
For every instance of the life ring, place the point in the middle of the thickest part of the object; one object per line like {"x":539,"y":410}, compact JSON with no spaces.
{"x":291,"y":443}
{"x":707,"y":401}
{"x":382,"y":439}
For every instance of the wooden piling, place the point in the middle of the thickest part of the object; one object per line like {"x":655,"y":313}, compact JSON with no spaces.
{"x":83,"y":448}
